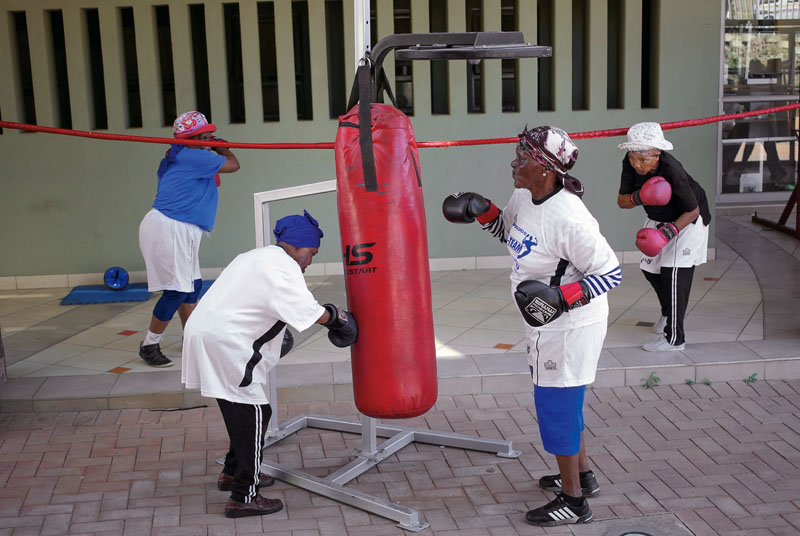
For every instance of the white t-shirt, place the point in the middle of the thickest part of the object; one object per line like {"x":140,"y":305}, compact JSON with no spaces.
{"x":557,"y":236}
{"x":238,"y":325}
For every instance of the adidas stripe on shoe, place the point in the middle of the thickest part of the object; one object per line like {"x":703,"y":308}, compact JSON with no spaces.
{"x":559,"y":512}
{"x":589,"y":485}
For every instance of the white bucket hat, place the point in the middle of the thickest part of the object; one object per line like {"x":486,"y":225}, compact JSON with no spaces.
{"x":645,"y":136}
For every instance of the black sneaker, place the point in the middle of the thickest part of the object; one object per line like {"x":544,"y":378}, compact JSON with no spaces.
{"x":152,"y":355}
{"x":560,"y":512}
{"x":589,"y":485}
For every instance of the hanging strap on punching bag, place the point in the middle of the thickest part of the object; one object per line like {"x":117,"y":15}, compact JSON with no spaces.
{"x":361,"y":93}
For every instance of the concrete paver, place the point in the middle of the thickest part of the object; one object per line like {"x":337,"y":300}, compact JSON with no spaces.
{"x":710,"y":459}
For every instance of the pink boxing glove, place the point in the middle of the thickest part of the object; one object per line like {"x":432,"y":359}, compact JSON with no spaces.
{"x":656,"y":191}
{"x":652,"y":241}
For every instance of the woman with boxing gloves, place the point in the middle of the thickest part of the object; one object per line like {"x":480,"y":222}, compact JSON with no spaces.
{"x":170,"y":233}
{"x":563,"y":268}
{"x":237,"y":334}
{"x":674,"y":238}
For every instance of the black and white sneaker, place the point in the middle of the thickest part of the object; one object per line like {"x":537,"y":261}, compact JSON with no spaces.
{"x":560,"y":512}
{"x":589,"y":485}
{"x":152,"y":355}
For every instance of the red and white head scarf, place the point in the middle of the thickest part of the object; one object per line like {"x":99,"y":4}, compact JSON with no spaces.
{"x":554,"y":150}
{"x":190,"y":124}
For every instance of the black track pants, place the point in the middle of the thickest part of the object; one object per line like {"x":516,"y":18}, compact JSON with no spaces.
{"x":246,"y":425}
{"x":672,"y":286}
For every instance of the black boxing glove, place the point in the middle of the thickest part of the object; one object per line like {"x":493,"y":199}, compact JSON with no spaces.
{"x":465,"y":207}
{"x":343,"y":330}
{"x":540,"y":304}
{"x":288,"y":342}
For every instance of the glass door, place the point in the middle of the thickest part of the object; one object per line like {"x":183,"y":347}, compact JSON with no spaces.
{"x":761,"y":70}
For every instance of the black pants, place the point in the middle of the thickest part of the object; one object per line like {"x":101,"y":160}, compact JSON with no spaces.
{"x":672,"y":286}
{"x":246,"y":425}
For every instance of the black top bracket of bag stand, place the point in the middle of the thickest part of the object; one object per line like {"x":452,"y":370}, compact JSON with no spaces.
{"x":371,"y":82}
{"x":454,"y":46}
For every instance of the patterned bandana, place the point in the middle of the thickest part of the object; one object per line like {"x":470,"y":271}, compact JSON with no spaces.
{"x":552,"y":148}
{"x":190,"y":124}
{"x":298,"y":231}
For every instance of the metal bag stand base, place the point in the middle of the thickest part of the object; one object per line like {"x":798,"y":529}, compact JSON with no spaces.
{"x":792,"y":204}
{"x":367,"y":457}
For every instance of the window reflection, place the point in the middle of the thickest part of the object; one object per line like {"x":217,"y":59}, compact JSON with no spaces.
{"x":762,"y":70}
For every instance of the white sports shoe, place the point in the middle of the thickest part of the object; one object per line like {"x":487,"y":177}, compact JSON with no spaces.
{"x":662,"y":345}
{"x":660,"y":325}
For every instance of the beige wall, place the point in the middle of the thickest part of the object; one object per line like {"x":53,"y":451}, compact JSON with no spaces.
{"x":71,"y":205}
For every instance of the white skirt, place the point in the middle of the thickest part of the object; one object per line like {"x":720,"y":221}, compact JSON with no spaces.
{"x":170,"y":249}
{"x":689,"y":248}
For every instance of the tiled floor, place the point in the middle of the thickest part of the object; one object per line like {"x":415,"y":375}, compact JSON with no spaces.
{"x":473,"y":315}
{"x":477,"y":327}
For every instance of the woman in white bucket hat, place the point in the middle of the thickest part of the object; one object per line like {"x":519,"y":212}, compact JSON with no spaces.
{"x":674,"y":238}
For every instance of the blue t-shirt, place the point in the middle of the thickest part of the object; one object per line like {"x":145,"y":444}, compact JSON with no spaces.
{"x":186,"y":188}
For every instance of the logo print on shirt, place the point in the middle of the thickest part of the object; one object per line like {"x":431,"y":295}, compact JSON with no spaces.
{"x":550,"y":365}
{"x":528,"y":242}
{"x":522,"y":248}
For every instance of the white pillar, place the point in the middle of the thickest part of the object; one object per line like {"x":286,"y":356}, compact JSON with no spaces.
{"x":361,"y":29}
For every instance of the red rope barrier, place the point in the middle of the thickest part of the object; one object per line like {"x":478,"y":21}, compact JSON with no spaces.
{"x":423,"y":144}
{"x":171,"y":141}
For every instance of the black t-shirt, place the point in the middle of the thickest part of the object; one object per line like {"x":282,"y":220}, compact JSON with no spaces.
{"x":687,"y":195}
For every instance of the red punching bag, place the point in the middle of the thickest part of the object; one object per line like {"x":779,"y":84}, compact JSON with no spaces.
{"x":385,"y":255}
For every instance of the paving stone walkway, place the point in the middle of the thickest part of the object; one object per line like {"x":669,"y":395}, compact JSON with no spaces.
{"x":721,"y":458}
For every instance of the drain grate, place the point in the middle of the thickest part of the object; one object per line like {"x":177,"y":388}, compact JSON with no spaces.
{"x":653,"y":525}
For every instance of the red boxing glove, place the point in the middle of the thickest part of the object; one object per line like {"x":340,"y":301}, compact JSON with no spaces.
{"x":652,"y":241}
{"x":656,"y":191}
{"x":217,"y":180}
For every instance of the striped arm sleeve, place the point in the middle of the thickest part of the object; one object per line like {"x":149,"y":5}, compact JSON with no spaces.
{"x":496,"y":228}
{"x":600,"y":284}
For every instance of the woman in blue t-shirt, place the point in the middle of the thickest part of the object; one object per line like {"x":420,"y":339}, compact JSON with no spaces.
{"x":169,"y":235}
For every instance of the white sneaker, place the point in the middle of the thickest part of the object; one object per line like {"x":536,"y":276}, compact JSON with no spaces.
{"x":660,"y":325}
{"x":662,"y":345}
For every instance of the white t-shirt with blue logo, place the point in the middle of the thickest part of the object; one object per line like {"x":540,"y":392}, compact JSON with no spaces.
{"x":557,"y":241}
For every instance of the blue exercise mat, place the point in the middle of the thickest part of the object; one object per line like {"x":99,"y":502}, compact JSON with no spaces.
{"x":101,"y":294}
{"x":85,"y":294}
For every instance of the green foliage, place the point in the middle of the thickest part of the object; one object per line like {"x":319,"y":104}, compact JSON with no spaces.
{"x":689,"y":381}
{"x":706,"y":381}
{"x":651,"y":381}
{"x":750,"y":379}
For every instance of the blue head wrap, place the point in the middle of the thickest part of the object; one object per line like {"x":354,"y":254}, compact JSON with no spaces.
{"x":298,"y":231}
